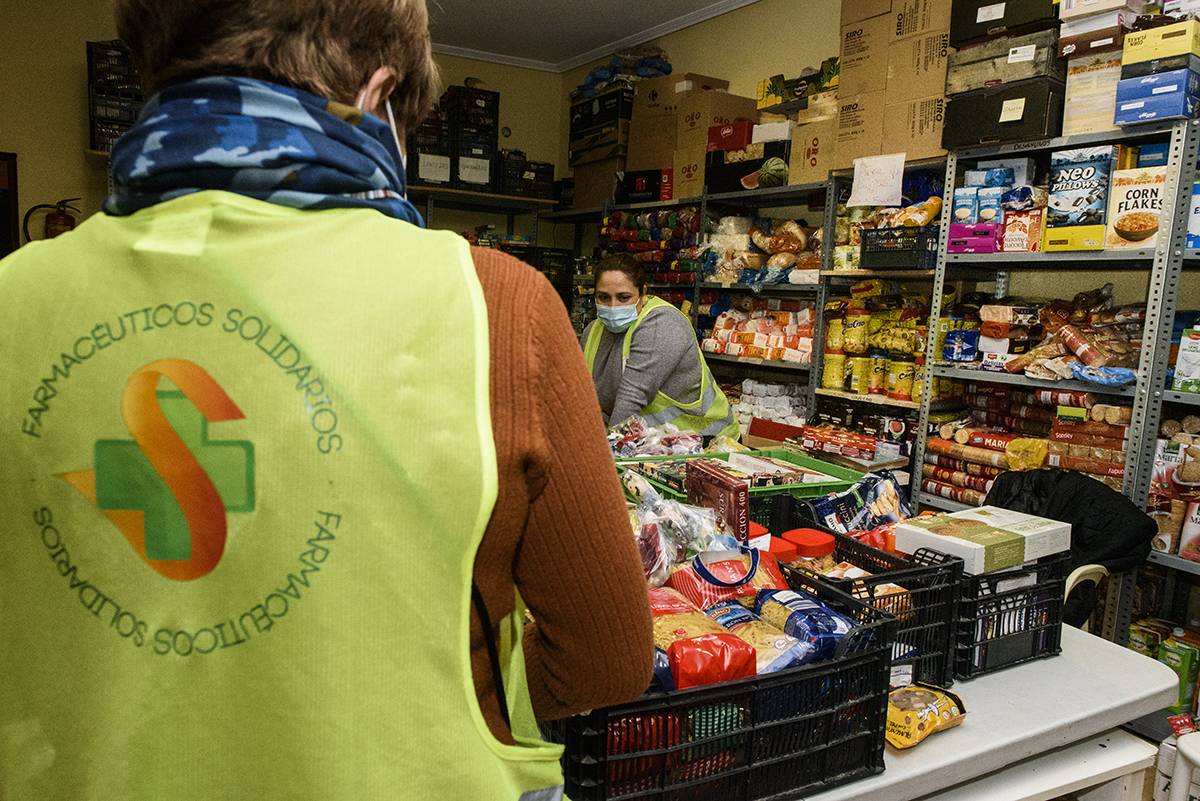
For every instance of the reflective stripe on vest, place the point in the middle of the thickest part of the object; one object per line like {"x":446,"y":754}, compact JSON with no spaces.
{"x":710,"y":414}
{"x":247,"y":463}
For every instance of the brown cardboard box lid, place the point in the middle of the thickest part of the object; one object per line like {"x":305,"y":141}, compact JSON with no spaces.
{"x":915,"y":127}
{"x":823,"y":106}
{"x":1104,"y":40}
{"x":606,"y":143}
{"x":855,"y":10}
{"x":863,"y":55}
{"x":660,"y":94}
{"x":916,"y":66}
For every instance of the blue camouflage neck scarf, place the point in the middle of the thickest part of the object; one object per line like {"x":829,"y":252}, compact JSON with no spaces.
{"x":262,"y":140}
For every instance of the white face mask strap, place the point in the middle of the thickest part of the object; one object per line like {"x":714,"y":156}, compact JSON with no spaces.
{"x":395,"y":134}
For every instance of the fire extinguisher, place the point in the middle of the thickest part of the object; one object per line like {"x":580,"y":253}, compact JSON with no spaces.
{"x":57,"y":221}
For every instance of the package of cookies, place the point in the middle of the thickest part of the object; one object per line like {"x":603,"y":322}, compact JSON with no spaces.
{"x":919,"y":710}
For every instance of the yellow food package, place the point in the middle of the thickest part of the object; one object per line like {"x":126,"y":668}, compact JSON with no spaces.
{"x":1026,"y":453}
{"x":917,"y":711}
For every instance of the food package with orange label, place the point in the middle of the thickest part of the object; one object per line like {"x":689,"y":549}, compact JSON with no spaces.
{"x":919,"y":710}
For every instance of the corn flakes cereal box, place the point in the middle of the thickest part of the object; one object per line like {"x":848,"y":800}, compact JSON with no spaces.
{"x":1135,"y":204}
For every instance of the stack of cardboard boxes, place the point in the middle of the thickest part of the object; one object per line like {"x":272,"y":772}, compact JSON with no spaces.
{"x":1006,"y":80}
{"x":893,"y":71}
{"x":599,"y":139}
{"x":1160,"y":74}
{"x":1091,"y":36}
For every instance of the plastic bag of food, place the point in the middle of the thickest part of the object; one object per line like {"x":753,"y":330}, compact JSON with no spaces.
{"x":775,"y":649}
{"x":656,"y":551}
{"x":919,"y":710}
{"x":732,"y":225}
{"x":1026,"y":453}
{"x":876,"y":499}
{"x":690,"y":529}
{"x":718,"y":576}
{"x":699,"y":651}
{"x":1087,"y":303}
{"x":1106,"y":376}
{"x":725,"y":445}
{"x":804,"y":617}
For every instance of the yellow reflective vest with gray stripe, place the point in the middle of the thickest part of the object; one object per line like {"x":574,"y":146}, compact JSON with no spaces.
{"x":709,"y":415}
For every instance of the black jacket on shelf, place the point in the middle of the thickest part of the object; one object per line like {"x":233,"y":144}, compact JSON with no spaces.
{"x":1106,"y":527}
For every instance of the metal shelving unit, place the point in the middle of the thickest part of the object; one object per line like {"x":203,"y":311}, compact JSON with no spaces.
{"x":440,"y":197}
{"x":1185,"y":398}
{"x":1176,"y":562}
{"x":771,"y":289}
{"x":792,"y":366}
{"x":944,"y":370}
{"x":938,"y":502}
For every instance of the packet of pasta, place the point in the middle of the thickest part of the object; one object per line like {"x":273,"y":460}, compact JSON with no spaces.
{"x":699,"y":651}
{"x":804,"y":617}
{"x":775,"y":649}
{"x":919,"y":710}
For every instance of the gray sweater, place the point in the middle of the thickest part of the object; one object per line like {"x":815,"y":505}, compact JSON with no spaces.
{"x":662,"y":358}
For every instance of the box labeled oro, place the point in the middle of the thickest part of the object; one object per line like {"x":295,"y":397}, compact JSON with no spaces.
{"x":689,"y":171}
{"x":812,"y":152}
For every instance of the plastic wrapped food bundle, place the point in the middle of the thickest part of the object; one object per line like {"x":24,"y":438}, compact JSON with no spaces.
{"x":699,"y":650}
{"x":775,"y":650}
{"x":804,"y":617}
{"x":719,"y":576}
{"x":634,"y":437}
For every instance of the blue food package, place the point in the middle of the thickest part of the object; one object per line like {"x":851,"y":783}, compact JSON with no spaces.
{"x":961,"y":346}
{"x":1177,"y":105}
{"x":1105,"y":376}
{"x":966,"y":205}
{"x":1023,"y":198}
{"x":662,"y":679}
{"x":990,"y":210}
{"x":876,"y":499}
{"x":995,"y":176}
{"x":1079,"y":185}
{"x":806,"y":618}
{"x":774,"y":648}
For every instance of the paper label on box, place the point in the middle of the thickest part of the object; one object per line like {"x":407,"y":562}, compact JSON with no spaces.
{"x":1132,"y":105}
{"x":434,"y":169}
{"x":1024,"y":53}
{"x":1101,"y":42}
{"x":989,"y":13}
{"x":1012,"y":110}
{"x":1159,"y":90}
{"x":474,"y":171}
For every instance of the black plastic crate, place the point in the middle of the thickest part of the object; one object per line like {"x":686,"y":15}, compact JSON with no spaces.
{"x":105,"y":133}
{"x":115,"y":107}
{"x":1009,"y":617}
{"x":800,"y":730}
{"x":926,"y":613}
{"x":899,"y":248}
{"x":110,"y":67}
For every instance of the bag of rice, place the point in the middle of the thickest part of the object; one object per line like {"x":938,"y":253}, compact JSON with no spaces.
{"x":775,"y":649}
{"x":699,"y":651}
{"x":804,"y":617}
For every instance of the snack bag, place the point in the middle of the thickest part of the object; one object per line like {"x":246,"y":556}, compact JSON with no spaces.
{"x":804,"y":617}
{"x":719,"y":576}
{"x":917,"y":711}
{"x":699,"y":651}
{"x":775,"y":649}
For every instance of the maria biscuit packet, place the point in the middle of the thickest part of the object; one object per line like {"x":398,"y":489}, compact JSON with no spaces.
{"x":917,"y":711}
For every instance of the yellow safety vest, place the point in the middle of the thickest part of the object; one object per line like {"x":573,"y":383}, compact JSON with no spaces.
{"x":710,"y":414}
{"x":247,"y":463}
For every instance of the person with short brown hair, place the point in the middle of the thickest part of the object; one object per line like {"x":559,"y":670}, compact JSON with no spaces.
{"x":296,"y":467}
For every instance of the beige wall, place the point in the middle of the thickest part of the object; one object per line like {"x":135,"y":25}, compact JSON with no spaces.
{"x":44,"y":113}
{"x":770,"y":37}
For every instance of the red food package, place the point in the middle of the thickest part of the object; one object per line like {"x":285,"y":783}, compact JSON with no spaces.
{"x":699,"y":649}
{"x":739,"y":576}
{"x":881,"y":537}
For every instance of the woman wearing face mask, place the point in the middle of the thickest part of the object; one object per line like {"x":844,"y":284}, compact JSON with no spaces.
{"x":318,"y":461}
{"x":644,"y":359}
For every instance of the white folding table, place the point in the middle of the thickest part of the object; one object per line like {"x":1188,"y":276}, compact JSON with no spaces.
{"x":1033,"y":732}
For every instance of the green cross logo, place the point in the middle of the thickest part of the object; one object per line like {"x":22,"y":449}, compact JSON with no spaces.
{"x":125,"y":479}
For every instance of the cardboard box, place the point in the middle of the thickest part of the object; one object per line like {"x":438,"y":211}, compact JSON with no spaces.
{"x":735,"y":170}
{"x":732,"y":136}
{"x":605,"y":143}
{"x":1170,"y":40}
{"x":915,"y":127}
{"x":1135,"y":203}
{"x":812,"y":154}
{"x":916,"y":67}
{"x":699,"y":111}
{"x":1161,"y":83}
{"x":863,"y":53}
{"x":604,"y":110}
{"x":1091,"y":94}
{"x":974,"y":20}
{"x":856,"y":10}
{"x":1078,"y":204}
{"x":651,"y":141}
{"x":645,"y":186}
{"x":1005,"y":59}
{"x":823,"y":106}
{"x":986,"y":539}
{"x":661,"y":95}
{"x":918,"y":17}
{"x":1070,"y":9}
{"x":1176,"y":105}
{"x":859,"y":128}
{"x":595,"y":182}
{"x":1013,"y":112}
{"x":1193,"y":228}
{"x":1104,"y":40}
{"x":1023,"y":230}
{"x":1189,"y":61}
{"x":778,"y":89}
{"x":689,"y":171}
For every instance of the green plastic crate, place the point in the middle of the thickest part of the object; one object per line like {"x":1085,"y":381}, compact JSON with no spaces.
{"x":761,"y":504}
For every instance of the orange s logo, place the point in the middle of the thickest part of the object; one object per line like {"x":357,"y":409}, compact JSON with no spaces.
{"x":168,"y":490}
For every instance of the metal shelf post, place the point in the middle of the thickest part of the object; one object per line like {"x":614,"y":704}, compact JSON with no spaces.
{"x":828,"y":242}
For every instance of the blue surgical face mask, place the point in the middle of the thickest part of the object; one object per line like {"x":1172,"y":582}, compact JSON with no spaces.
{"x":617,"y":318}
